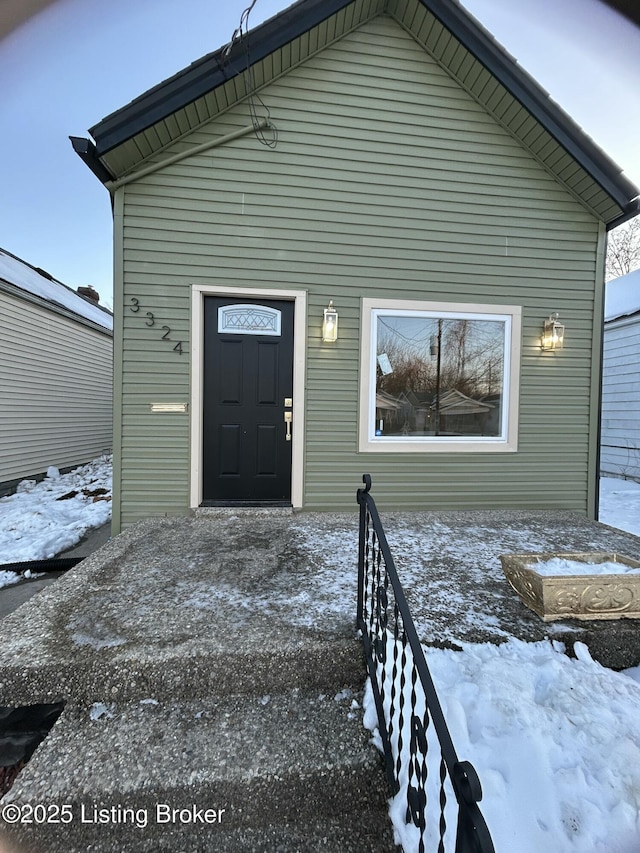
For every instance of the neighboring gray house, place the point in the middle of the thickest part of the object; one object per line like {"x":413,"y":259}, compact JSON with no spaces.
{"x":415,"y":176}
{"x":56,"y":369}
{"x":620,"y":439}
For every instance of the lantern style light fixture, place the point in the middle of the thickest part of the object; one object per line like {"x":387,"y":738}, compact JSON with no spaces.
{"x":330,"y":324}
{"x":552,"y":334}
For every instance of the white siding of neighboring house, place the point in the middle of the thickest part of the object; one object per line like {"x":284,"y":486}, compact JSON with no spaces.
{"x":620,"y":432}
{"x":620,"y":448}
{"x":55,"y":389}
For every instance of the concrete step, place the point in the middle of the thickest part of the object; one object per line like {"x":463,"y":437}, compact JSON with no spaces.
{"x":184,"y":608}
{"x":285,"y":771}
{"x":97,"y":675}
{"x":364,"y":833}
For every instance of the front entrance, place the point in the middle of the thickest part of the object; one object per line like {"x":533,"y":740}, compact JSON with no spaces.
{"x":248,"y":400}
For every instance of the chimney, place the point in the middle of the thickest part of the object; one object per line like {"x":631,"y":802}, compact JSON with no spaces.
{"x":89,"y":293}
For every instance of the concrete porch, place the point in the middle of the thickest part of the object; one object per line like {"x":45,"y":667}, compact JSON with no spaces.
{"x":239,"y":629}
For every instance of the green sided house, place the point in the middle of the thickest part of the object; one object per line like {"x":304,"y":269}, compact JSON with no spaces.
{"x":389,"y":157}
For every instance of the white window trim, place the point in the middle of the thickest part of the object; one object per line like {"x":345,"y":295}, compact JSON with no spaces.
{"x":367,"y":443}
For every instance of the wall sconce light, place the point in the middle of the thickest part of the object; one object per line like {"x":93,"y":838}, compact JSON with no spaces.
{"x":330,"y":324}
{"x":552,"y":334}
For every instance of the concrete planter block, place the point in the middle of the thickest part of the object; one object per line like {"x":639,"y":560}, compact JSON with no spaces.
{"x":579,"y":596}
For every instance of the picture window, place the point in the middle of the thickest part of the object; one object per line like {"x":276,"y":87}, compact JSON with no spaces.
{"x":439,"y":376}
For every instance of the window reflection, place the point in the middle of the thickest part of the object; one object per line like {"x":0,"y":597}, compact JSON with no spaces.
{"x":439,"y":376}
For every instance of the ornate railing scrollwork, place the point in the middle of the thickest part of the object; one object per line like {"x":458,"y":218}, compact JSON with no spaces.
{"x":419,"y":754}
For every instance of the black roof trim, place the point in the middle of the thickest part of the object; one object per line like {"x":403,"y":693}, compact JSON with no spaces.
{"x":209,"y":72}
{"x":532,"y":96}
{"x":628,"y":8}
{"x":633,"y":209}
{"x":86,"y":150}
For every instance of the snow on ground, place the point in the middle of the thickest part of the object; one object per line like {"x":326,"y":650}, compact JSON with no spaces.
{"x":620,"y":504}
{"x":36,"y":524}
{"x":554,"y":739}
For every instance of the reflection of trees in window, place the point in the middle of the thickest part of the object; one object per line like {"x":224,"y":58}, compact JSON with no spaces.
{"x":447,"y":375}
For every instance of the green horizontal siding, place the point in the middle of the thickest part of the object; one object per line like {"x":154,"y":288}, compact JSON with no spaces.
{"x":473,"y":78}
{"x":221,"y":99}
{"x":388,"y":180}
{"x":500,"y":103}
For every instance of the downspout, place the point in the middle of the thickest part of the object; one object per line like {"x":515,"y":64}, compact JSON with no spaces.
{"x":88,"y":154}
{"x":593,"y":500}
{"x":118,"y":334}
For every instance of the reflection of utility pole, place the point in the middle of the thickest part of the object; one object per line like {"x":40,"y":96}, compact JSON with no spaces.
{"x":438,"y":349}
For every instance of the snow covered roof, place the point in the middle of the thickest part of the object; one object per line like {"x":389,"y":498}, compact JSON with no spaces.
{"x":622,"y":296}
{"x":39,"y":283}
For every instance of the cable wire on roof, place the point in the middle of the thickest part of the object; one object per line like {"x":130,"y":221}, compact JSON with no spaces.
{"x":267,"y":135}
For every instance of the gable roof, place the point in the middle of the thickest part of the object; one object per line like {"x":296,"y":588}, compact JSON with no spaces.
{"x":17,"y":276}
{"x":456,"y":40}
{"x":454,"y":402}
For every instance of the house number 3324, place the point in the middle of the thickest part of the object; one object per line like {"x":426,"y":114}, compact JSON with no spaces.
{"x":150,"y":321}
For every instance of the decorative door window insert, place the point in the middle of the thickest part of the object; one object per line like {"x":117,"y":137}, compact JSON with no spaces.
{"x":249,"y":320}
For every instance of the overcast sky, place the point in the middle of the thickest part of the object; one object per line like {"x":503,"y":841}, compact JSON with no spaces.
{"x":78,"y":60}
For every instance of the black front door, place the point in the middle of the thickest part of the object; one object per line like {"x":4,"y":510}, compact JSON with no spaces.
{"x":248,"y":390}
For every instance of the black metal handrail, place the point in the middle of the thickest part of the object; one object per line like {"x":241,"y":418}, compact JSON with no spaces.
{"x":407,"y":703}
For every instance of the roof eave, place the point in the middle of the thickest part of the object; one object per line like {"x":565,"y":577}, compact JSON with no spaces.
{"x":633,"y":209}
{"x":216,"y":68}
{"x":86,"y":150}
{"x":536,"y":101}
{"x":210,"y":71}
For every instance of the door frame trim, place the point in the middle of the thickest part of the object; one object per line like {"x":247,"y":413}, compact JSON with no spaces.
{"x":299,"y":298}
